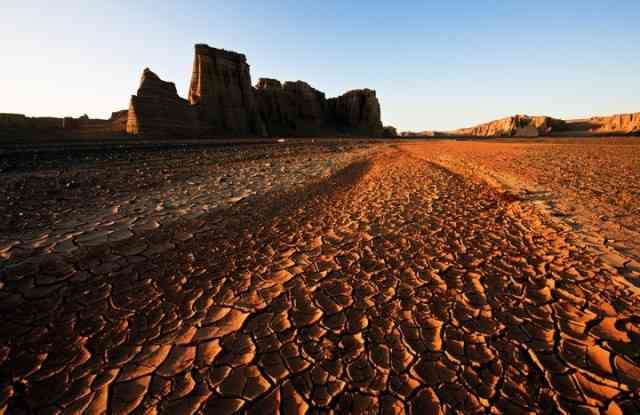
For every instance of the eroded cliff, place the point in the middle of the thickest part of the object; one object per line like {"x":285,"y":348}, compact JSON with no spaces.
{"x":357,"y":113}
{"x":158,"y":111}
{"x":223,"y":103}
{"x":515,"y":126}
{"x":292,"y":109}
{"x":221,"y":91}
{"x":614,"y":124}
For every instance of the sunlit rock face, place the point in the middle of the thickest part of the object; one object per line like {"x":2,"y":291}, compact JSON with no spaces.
{"x":157,"y":110}
{"x":515,"y":126}
{"x":614,"y":124}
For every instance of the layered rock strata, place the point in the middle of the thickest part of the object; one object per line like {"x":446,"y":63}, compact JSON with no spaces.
{"x":157,"y":110}
{"x":222,"y":92}
{"x":292,"y":109}
{"x":515,"y":126}
{"x":222,"y":103}
{"x":535,"y":126}
{"x":614,"y":124}
{"x":297,"y":109}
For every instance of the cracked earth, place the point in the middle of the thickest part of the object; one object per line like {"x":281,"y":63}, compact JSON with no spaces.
{"x":392,"y":286}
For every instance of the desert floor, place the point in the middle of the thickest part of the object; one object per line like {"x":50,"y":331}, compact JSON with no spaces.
{"x":354,"y":277}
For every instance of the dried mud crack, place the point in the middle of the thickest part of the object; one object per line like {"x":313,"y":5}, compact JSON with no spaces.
{"x":394,"y":286}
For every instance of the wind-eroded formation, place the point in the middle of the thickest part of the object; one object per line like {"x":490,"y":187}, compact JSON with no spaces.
{"x":222,"y":102}
{"x":538,"y":126}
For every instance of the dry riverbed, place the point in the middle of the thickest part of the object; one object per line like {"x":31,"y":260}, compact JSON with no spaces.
{"x":362,"y":279}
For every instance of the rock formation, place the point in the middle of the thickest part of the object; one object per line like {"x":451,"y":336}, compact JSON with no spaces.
{"x":13,"y":121}
{"x":119,"y":121}
{"x":357,"y":113}
{"x":614,"y":124}
{"x":221,"y":89}
{"x":389,"y":131}
{"x":158,"y":111}
{"x":294,"y":109}
{"x":223,"y":103}
{"x":528,"y":126}
{"x":515,"y":126}
{"x":82,"y":126}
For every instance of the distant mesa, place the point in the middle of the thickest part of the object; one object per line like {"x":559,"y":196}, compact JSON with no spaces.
{"x":615,"y":124}
{"x":223,"y":103}
{"x":538,"y":126}
{"x":82,"y":127}
{"x":515,"y":126}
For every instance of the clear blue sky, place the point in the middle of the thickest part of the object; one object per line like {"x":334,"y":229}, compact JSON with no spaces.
{"x":435,"y":64}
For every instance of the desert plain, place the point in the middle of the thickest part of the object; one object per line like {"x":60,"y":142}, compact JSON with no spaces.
{"x":321,"y":276}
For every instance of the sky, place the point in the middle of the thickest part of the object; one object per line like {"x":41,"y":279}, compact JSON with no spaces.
{"x":435,"y":65}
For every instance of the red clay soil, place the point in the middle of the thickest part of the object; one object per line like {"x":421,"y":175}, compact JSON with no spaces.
{"x":395,"y":286}
{"x":594,"y":182}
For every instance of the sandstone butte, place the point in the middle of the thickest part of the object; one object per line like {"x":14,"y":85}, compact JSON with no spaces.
{"x":536,"y":126}
{"x":223,"y":102}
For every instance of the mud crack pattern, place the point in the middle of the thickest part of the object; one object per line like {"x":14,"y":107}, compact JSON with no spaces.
{"x":396,"y":286}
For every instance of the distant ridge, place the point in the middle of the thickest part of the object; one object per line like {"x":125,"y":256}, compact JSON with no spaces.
{"x":538,"y":126}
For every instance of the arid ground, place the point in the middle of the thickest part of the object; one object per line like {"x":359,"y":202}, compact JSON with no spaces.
{"x":355,"y":277}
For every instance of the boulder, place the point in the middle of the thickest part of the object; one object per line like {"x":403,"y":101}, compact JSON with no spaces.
{"x":223,"y":95}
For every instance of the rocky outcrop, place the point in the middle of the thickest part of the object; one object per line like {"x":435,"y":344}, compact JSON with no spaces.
{"x":527,"y":126}
{"x":119,"y":121}
{"x":389,"y":131}
{"x":222,"y":92}
{"x":22,"y":122}
{"x":223,"y":103}
{"x":158,"y":111}
{"x":82,"y":126}
{"x":94,"y":127}
{"x":357,"y":113}
{"x":515,"y":126}
{"x":294,"y":109}
{"x":614,"y":124}
{"x":13,"y":121}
